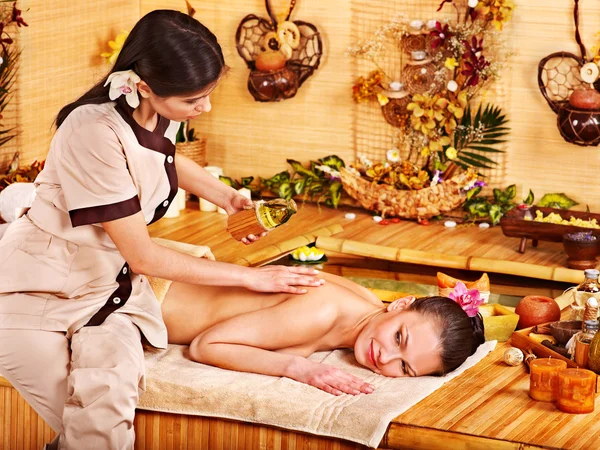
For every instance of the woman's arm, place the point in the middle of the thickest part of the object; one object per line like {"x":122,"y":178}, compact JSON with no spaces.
{"x":193,"y":178}
{"x":131,"y":237}
{"x":250,"y":343}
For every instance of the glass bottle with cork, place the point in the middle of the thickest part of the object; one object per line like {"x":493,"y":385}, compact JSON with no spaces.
{"x":264,"y":216}
{"x":590,"y":287}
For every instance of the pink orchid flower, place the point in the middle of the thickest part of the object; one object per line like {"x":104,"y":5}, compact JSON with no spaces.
{"x":468,"y":299}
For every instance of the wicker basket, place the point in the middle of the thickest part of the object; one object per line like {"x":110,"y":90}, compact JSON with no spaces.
{"x":195,"y":150}
{"x":417,"y":204}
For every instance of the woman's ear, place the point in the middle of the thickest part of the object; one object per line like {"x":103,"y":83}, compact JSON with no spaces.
{"x":401,"y":303}
{"x":144,"y":89}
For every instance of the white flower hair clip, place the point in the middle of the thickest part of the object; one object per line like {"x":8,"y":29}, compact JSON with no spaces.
{"x":124,"y":83}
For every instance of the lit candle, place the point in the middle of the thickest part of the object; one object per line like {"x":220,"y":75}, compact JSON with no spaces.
{"x":543,"y":383}
{"x":576,"y":390}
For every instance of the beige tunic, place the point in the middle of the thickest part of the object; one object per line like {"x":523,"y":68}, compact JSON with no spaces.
{"x":59,"y":270}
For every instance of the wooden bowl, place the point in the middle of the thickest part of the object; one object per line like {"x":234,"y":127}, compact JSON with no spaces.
{"x":581,"y":254}
{"x":563,"y":330}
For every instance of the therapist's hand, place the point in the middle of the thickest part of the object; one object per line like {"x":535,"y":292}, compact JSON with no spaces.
{"x":282,"y":279}
{"x":238,"y":203}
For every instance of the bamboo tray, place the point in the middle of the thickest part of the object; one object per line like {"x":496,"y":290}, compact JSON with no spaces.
{"x":513,"y":224}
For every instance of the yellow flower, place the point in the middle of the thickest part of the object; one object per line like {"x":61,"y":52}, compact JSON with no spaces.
{"x":496,"y":11}
{"x":451,"y":153}
{"x":451,"y":63}
{"x":458,"y":104}
{"x":382,"y":99}
{"x":116,"y":47}
{"x":439,"y":143}
{"x":425,"y":152}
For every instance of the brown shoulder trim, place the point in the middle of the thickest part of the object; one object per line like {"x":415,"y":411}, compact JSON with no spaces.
{"x":105,"y":213}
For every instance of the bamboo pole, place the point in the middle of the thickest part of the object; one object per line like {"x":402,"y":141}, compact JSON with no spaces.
{"x":448,"y":261}
{"x":276,"y":251}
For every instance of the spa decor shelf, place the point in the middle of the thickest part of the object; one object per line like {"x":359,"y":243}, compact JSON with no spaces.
{"x":520,"y":223}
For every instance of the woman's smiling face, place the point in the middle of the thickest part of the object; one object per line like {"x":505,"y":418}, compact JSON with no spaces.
{"x":399,"y":343}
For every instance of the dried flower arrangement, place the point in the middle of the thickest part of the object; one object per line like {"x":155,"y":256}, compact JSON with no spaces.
{"x":432,"y":101}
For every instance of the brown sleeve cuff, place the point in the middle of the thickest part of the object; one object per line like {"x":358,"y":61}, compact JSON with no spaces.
{"x":105,"y":213}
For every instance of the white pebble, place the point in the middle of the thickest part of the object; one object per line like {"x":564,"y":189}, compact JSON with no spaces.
{"x":431,"y":24}
{"x":484,"y":225}
{"x":449,"y":223}
{"x":350,"y":216}
{"x":592,"y":302}
{"x":377,"y":219}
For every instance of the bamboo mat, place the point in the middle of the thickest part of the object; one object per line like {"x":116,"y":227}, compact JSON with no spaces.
{"x":458,"y":243}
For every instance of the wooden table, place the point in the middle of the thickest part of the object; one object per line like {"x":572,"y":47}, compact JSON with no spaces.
{"x":487,"y":407}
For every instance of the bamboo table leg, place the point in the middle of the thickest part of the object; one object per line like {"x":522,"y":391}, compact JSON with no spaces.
{"x":534,"y":242}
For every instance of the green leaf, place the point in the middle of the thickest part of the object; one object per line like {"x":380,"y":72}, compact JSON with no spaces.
{"x":557,"y":201}
{"x":333,"y":161}
{"x":473,"y":192}
{"x":499,"y":195}
{"x":300,"y":169}
{"x":510,"y":192}
{"x":335,"y":189}
{"x":481,"y":148}
{"x":246,"y":181}
{"x":530,"y":198}
{"x":285,"y":191}
{"x":478,"y":157}
{"x":478,"y":208}
{"x":471,"y":162}
{"x":299,"y":186}
{"x":228,"y":181}
{"x":495,"y":213}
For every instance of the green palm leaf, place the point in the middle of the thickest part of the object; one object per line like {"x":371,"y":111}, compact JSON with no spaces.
{"x":480,"y":133}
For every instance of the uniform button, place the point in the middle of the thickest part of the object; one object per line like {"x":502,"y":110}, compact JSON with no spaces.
{"x":169,"y":159}
{"x":124,"y":270}
{"x":116,"y":300}
{"x":166,"y":203}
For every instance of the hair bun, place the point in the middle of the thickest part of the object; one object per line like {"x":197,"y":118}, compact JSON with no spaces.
{"x":478,"y":331}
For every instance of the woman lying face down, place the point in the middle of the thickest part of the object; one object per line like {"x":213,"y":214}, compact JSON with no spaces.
{"x":273,"y":334}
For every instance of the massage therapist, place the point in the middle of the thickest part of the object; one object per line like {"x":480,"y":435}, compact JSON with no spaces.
{"x":74,"y":301}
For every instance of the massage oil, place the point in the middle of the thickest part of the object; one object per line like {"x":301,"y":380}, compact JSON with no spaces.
{"x":263,"y":217}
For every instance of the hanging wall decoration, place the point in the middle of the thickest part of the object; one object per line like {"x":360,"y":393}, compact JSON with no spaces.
{"x":571,"y":86}
{"x":281,"y":54}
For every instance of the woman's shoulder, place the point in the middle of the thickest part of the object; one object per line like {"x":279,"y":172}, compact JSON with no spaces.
{"x":86,"y":116}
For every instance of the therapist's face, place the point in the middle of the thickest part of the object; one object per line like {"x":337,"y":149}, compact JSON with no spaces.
{"x":178,"y":108}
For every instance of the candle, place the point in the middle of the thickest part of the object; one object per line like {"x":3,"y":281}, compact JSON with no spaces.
{"x":576,"y":390}
{"x":543,"y":382}
{"x":205,"y":205}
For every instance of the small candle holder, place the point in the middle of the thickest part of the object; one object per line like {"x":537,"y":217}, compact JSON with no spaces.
{"x":576,"y":391}
{"x":543,"y":382}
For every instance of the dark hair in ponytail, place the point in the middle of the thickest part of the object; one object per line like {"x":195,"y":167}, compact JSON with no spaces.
{"x":460,"y":335}
{"x":172,"y":52}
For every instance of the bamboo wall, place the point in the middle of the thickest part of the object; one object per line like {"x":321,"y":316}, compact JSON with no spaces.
{"x":249,"y":138}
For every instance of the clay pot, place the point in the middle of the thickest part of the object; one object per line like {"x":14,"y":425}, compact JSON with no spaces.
{"x":579,"y":126}
{"x":536,"y":309}
{"x":273,"y":86}
{"x":581,"y":254}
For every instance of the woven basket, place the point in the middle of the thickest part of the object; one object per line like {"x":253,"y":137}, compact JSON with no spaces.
{"x":195,"y":150}
{"x":417,"y":204}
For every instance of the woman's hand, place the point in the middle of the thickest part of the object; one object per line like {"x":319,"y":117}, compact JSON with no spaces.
{"x":330,"y":379}
{"x":282,"y":279}
{"x":238,"y":203}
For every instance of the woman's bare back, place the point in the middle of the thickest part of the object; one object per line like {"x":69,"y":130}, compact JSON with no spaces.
{"x":189,"y":310}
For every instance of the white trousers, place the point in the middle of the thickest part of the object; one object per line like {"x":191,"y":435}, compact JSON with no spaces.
{"x":87,"y":388}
